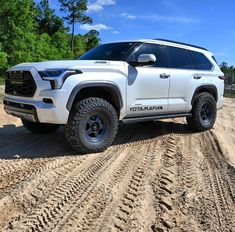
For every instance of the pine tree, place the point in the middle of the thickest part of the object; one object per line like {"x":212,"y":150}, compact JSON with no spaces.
{"x":76,"y":10}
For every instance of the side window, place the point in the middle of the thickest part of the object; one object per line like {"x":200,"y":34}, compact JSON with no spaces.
{"x":155,"y":49}
{"x":202,"y":63}
{"x":179,"y":58}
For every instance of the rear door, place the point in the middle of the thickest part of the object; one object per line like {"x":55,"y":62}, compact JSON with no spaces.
{"x":182,"y":82}
{"x":188,"y":70}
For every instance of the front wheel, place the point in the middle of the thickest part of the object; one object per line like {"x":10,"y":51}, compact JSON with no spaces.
{"x":203,"y":113}
{"x":40,"y":128}
{"x":92,"y":125}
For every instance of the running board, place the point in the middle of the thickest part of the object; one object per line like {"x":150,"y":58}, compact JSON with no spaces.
{"x":152,"y":118}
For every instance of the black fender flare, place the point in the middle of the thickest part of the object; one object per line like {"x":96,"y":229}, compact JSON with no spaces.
{"x":205,"y":88}
{"x":81,"y":86}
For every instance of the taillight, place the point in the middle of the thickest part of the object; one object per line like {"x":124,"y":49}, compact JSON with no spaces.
{"x":222,"y":78}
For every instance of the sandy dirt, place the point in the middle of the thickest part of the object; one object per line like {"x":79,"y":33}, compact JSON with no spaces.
{"x":156,"y":177}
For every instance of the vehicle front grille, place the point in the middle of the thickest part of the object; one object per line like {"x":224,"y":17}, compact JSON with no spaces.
{"x":20,"y":83}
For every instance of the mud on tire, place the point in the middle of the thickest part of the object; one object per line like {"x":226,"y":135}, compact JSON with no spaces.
{"x":40,"y":128}
{"x":92,"y":125}
{"x":203,"y":113}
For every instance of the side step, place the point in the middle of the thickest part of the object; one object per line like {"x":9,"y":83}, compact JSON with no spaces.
{"x":155,"y":117}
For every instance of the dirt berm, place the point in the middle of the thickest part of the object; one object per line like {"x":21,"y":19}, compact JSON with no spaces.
{"x":156,"y":177}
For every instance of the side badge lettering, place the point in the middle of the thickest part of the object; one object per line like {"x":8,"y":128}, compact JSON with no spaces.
{"x":146,"y":108}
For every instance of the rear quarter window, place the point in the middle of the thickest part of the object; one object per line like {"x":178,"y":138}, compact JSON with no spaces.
{"x":201,"y":61}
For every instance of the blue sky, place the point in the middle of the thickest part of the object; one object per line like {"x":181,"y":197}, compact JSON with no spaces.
{"x":210,"y":24}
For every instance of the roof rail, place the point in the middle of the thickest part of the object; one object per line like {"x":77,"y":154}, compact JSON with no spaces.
{"x":171,"y":41}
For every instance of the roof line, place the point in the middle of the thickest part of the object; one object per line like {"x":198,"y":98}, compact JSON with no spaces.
{"x":171,"y":41}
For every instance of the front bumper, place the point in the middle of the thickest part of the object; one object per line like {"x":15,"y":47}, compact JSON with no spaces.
{"x":36,"y":110}
{"x":24,"y":111}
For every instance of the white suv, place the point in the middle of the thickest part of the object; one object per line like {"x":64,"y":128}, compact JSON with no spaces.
{"x":128,"y":81}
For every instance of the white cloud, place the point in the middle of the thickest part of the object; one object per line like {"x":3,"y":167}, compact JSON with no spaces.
{"x":97,"y":27}
{"x":98,"y":5}
{"x":106,"y":2}
{"x":94,"y":7}
{"x":170,"y":19}
{"x":161,"y":18}
{"x":128,"y":16}
{"x":115,"y":32}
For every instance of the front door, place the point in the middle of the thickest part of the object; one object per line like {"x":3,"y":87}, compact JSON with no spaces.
{"x":148,"y":86}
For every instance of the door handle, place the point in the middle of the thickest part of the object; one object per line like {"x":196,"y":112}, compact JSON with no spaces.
{"x":164,"y":76}
{"x":197,"y":77}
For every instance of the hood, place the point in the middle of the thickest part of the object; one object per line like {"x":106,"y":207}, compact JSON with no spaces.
{"x":83,"y":65}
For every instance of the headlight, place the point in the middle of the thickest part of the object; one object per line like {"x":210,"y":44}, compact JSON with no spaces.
{"x":57,"y":76}
{"x":51,"y":73}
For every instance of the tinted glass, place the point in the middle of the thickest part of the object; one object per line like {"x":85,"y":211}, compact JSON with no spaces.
{"x":155,"y":49}
{"x":179,"y":58}
{"x":112,"y":51}
{"x":202,"y":63}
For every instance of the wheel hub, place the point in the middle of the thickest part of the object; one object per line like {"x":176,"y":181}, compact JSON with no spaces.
{"x":206,"y":113}
{"x":95,"y":128}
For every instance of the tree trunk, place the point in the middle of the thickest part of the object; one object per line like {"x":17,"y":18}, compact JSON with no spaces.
{"x":72,"y":39}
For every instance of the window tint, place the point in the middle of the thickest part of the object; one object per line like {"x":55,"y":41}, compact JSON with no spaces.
{"x":112,"y":51}
{"x":155,"y":49}
{"x":202,"y":63}
{"x":179,"y":58}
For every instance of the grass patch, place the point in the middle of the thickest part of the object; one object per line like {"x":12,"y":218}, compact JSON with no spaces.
{"x":2,"y":80}
{"x":1,"y":97}
{"x":229,"y":95}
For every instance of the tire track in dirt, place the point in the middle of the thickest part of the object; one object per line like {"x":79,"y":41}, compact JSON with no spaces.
{"x":124,"y":207}
{"x":84,"y":215}
{"x":193,"y":199}
{"x":128,"y":195}
{"x":164,"y":187}
{"x":32,"y":192}
{"x":64,"y":197}
{"x":220,"y":185}
{"x":41,"y":185}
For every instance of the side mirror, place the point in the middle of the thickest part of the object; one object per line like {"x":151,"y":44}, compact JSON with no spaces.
{"x":147,"y":59}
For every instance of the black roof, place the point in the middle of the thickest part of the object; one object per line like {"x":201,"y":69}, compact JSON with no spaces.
{"x":171,"y":41}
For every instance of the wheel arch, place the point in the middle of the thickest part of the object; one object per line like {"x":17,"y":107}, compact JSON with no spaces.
{"x":107,"y":91}
{"x":206,"y":88}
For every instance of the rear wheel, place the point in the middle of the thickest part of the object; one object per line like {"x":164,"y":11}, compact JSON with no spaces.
{"x":203,"y":113}
{"x":92,"y":125}
{"x":40,"y":128}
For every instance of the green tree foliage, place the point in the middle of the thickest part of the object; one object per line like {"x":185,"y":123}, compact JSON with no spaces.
{"x":32,"y":32}
{"x":85,"y":42}
{"x":91,"y":39}
{"x":229,"y":72}
{"x":80,"y":46}
{"x":46,"y":19}
{"x":3,"y":59}
{"x":17,"y":27}
{"x":76,"y":10}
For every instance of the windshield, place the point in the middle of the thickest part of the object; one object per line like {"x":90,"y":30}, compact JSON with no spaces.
{"x":112,"y":51}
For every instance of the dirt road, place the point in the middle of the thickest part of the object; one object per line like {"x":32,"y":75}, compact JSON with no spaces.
{"x":157,"y":177}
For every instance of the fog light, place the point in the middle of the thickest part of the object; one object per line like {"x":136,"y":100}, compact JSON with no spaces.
{"x":47,"y":100}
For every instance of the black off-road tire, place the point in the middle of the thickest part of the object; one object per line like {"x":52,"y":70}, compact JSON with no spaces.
{"x":81,"y":123}
{"x":40,"y":128}
{"x":204,"y":113}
